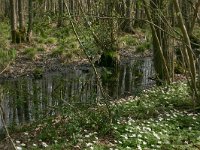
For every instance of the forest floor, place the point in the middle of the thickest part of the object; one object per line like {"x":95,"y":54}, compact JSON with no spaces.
{"x":160,"y":118}
{"x":50,"y":51}
{"x":44,"y":62}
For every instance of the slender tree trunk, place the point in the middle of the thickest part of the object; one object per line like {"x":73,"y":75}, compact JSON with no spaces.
{"x":137,"y":14}
{"x":60,"y":17}
{"x":194,"y":18}
{"x":186,"y":11}
{"x":71,"y":8}
{"x":160,"y":63}
{"x":6,"y":8}
{"x":13,"y":21}
{"x":21,"y":22}
{"x":30,"y":20}
{"x":187,"y":52}
{"x":128,"y":26}
{"x":159,"y":22}
{"x":89,"y":7}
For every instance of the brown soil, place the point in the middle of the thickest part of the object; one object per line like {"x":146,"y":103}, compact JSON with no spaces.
{"x":22,"y":66}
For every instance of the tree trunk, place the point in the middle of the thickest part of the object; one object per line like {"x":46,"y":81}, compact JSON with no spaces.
{"x":13,"y":21}
{"x":6,"y":8}
{"x":137,"y":14}
{"x":161,"y":67}
{"x":89,"y":7}
{"x":108,"y":40}
{"x":127,"y":24}
{"x":194,"y":18}
{"x":30,"y":20}
{"x":22,"y":30}
{"x":186,"y":11}
{"x":71,"y":7}
{"x":188,"y":53}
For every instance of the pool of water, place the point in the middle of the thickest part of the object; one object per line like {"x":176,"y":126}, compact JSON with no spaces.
{"x":26,"y":99}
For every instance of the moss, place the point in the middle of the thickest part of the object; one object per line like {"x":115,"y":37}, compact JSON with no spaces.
{"x":129,"y":40}
{"x":57,"y":52}
{"x":40,"y":40}
{"x":51,"y":40}
{"x":143,"y":47}
{"x":38,"y":73}
{"x":30,"y":53}
{"x":109,"y":59}
{"x":6,"y":55}
{"x":41,"y":49}
{"x":178,"y":69}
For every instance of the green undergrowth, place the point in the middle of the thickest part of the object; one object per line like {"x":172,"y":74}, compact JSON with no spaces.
{"x":7,"y":54}
{"x":160,"y":118}
{"x":62,"y":43}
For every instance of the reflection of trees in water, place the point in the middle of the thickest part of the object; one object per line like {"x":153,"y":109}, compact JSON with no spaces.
{"x":110,"y":77}
{"x":125,"y":80}
{"x":128,"y":81}
{"x":31,"y":99}
{"x":137,"y":76}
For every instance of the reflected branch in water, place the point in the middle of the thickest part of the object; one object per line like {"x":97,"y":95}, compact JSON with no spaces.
{"x":2,"y":116}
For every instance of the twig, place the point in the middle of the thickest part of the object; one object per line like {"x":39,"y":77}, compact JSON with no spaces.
{"x":105,"y":96}
{"x":5,"y":68}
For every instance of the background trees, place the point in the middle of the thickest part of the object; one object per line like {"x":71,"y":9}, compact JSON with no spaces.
{"x":107,"y":20}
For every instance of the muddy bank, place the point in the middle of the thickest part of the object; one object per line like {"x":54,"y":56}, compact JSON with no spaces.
{"x":45,"y":63}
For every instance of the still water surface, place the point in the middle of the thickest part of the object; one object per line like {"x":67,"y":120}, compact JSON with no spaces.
{"x":26,"y":99}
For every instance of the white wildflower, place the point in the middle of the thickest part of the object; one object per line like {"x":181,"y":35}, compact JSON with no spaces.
{"x":89,"y":144}
{"x":18,"y":142}
{"x":133,"y":135}
{"x":91,"y":148}
{"x":139,"y":147}
{"x":55,"y":141}
{"x":158,"y":146}
{"x":25,"y":133}
{"x":144,"y":143}
{"x":156,"y":135}
{"x":139,"y":135}
{"x":44,"y":144}
{"x":18,"y":148}
{"x":23,"y":144}
{"x":87,"y":136}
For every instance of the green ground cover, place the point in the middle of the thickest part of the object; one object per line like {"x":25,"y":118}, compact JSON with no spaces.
{"x":160,"y":118}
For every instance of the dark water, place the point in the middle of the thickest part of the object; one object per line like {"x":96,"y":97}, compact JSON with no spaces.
{"x":26,"y":99}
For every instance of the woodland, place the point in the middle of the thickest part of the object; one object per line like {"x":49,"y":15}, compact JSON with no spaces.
{"x":100,"y":74}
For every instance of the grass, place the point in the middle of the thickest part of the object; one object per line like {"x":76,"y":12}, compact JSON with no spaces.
{"x":6,"y":56}
{"x":51,"y":40}
{"x":143,"y":47}
{"x":129,"y":40}
{"x":62,"y":43}
{"x":157,"y":119}
{"x":30,"y":53}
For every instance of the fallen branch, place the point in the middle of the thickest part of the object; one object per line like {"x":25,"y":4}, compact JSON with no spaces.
{"x":5,"y":68}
